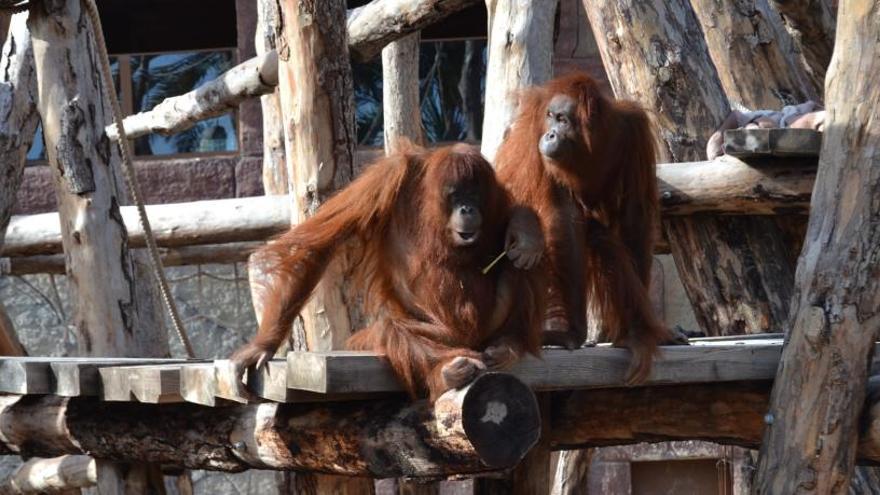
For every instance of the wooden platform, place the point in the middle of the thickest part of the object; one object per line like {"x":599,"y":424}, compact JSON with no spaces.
{"x":348,"y":375}
{"x":782,"y":142}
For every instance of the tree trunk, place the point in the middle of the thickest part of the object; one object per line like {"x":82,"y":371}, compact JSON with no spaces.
{"x":318,"y":111}
{"x":520,"y":55}
{"x":812,"y":434}
{"x":274,"y":165}
{"x":811,"y":24}
{"x":402,"y":115}
{"x":753,"y":54}
{"x":662,"y":61}
{"x":116,"y":311}
{"x":572,"y":472}
{"x":18,"y":91}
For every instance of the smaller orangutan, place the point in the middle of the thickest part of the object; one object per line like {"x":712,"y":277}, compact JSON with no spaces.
{"x":586,"y":164}
{"x":426,"y":224}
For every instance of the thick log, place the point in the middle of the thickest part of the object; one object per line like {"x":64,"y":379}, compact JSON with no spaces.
{"x":266,"y":40}
{"x":811,"y":24}
{"x":661,"y":60}
{"x":178,"y":224}
{"x":401,"y":111}
{"x":730,"y":413}
{"x":255,"y":77}
{"x":490,"y":424}
{"x":520,"y":50}
{"x":378,"y":23}
{"x":234,"y":252}
{"x":317,"y":104}
{"x":116,"y":313}
{"x":755,"y":56}
{"x":812,"y":437}
{"x":52,"y":475}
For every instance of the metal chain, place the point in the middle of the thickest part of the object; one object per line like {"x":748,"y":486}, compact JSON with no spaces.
{"x":130,"y":178}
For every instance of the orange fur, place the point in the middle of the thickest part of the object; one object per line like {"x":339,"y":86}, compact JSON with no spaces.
{"x":599,"y":214}
{"x":428,"y":300}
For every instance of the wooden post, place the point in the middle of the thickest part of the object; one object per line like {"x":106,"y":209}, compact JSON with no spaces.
{"x":116,"y":311}
{"x":18,"y":92}
{"x":317,"y":108}
{"x":402,"y":115}
{"x":274,"y":165}
{"x":811,"y":435}
{"x":318,"y":114}
{"x":520,"y":55}
{"x":811,"y":24}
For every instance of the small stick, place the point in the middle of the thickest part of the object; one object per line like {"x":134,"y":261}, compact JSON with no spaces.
{"x":494,"y":262}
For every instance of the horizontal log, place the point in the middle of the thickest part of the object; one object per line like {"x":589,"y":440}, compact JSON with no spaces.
{"x":252,"y":78}
{"x":726,"y":186}
{"x":729,"y":413}
{"x":233,"y":252}
{"x":488,"y":425}
{"x":177,"y":224}
{"x":370,"y":28}
{"x":730,"y":186}
{"x":55,"y":475}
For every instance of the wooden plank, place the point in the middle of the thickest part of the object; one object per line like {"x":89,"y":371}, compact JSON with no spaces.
{"x":155,"y":384}
{"x":197,"y":384}
{"x":339,"y":372}
{"x":781,"y":142}
{"x":116,"y":384}
{"x":77,"y":377}
{"x":226,"y":385}
{"x":25,"y":375}
{"x":594,"y":367}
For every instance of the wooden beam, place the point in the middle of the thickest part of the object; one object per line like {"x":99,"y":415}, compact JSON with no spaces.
{"x":490,"y":424}
{"x":401,"y":109}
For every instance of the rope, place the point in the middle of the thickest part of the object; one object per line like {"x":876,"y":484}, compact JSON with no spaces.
{"x":128,"y":173}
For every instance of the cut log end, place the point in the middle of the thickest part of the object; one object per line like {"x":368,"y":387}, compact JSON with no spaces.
{"x":500,"y":417}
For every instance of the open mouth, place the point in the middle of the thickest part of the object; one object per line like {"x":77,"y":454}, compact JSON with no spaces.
{"x":466,"y":238}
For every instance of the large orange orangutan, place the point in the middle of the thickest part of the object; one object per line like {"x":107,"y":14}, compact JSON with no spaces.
{"x":586,"y":164}
{"x":426,"y":224}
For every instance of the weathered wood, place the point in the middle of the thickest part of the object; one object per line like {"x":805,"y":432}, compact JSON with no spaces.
{"x":573,"y":472}
{"x":401,"y":112}
{"x":255,"y":77}
{"x":811,"y":24}
{"x":266,"y":39}
{"x":116,"y":313}
{"x":198,"y":385}
{"x":757,"y":63}
{"x":591,"y":367}
{"x":232,"y":252}
{"x":730,"y":413}
{"x":38,"y":475}
{"x":520,"y":49}
{"x":179,"y":224}
{"x":490,"y":424}
{"x":380,"y":22}
{"x":317,"y":104}
{"x":661,"y":60}
{"x":811,"y":440}
{"x":746,"y":143}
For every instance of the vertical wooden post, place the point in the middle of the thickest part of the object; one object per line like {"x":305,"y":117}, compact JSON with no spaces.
{"x":117,"y":312}
{"x":402,"y":115}
{"x":317,"y":111}
{"x":274,"y":166}
{"x":811,"y":434}
{"x":18,"y":95}
{"x":520,"y":55}
{"x":116,"y":309}
{"x":314,"y":75}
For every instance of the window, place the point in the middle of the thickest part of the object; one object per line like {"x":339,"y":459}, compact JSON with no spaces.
{"x":145,"y":80}
{"x":452,"y":83}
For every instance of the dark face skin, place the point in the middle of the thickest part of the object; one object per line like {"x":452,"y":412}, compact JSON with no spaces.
{"x":465,"y":219}
{"x":558,"y":142}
